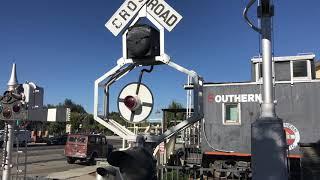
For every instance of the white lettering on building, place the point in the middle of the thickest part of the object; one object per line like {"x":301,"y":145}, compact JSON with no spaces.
{"x":236,"y":98}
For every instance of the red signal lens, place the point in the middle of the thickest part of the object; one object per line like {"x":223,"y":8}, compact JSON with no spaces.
{"x":130,"y":102}
{"x":6,"y":112}
{"x":16,"y":108}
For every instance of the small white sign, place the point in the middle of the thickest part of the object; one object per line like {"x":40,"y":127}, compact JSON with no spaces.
{"x":163,"y":13}
{"x":52,"y":115}
{"x":124,"y":15}
{"x":161,"y":148}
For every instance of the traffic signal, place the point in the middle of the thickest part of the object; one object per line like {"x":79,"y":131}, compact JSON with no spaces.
{"x":11,"y":107}
{"x":143,"y":43}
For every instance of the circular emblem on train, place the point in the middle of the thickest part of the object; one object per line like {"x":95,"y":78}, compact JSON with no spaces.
{"x":292,"y":135}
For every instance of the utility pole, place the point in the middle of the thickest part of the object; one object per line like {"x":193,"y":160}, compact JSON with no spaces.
{"x":8,"y":141}
{"x":268,"y":140}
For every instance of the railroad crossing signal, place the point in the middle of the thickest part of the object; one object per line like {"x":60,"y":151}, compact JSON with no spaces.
{"x":12,"y":107}
{"x":25,"y":102}
{"x":142,"y":45}
{"x":162,"y":12}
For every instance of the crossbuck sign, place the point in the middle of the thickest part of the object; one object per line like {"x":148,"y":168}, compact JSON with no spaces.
{"x":158,"y":9}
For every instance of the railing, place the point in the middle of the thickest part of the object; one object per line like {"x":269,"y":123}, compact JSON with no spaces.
{"x":192,"y":173}
{"x":14,"y":177}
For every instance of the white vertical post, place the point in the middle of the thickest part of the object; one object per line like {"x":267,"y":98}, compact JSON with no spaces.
{"x":267,"y":108}
{"x":7,"y":162}
{"x":267,"y":133}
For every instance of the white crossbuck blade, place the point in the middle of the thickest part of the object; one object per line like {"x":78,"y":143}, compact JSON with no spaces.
{"x":158,"y":9}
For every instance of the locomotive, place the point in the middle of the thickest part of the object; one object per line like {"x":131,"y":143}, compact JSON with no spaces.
{"x":231,"y":108}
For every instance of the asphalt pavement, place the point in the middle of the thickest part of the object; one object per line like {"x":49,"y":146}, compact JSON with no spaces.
{"x":49,"y":161}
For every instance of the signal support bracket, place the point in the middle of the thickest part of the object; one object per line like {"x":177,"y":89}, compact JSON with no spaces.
{"x":123,"y":67}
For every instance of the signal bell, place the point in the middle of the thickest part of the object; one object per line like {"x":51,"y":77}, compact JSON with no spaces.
{"x":143,"y":44}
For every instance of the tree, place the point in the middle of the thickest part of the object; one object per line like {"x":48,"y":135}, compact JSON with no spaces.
{"x":77,"y":115}
{"x":171,"y":117}
{"x":116,"y":116}
{"x":80,"y":121}
{"x":68,"y":103}
{"x":56,"y":128}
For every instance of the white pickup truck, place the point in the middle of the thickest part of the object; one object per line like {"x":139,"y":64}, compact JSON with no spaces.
{"x":21,"y":136}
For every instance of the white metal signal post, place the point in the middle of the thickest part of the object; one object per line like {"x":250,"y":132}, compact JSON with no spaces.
{"x":268,"y":140}
{"x":143,"y":46}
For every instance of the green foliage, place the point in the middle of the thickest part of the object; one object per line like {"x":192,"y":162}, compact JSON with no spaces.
{"x":173,"y":117}
{"x":75,"y":121}
{"x":175,"y":105}
{"x":68,"y":103}
{"x":175,"y":175}
{"x":81,"y":121}
{"x":116,"y":116}
{"x":77,"y":114}
{"x":56,"y":128}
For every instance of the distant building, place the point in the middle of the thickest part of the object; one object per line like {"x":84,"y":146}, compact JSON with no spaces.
{"x":318,"y":69}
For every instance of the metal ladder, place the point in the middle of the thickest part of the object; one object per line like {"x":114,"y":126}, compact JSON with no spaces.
{"x":4,"y":145}
{"x":21,"y":153}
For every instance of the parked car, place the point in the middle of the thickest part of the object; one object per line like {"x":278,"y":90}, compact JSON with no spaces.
{"x":86,"y":148}
{"x":22,"y":137}
{"x":57,"y":140}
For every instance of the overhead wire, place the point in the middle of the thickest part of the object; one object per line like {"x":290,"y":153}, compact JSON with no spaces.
{"x":206,"y":139}
{"x":245,"y":15}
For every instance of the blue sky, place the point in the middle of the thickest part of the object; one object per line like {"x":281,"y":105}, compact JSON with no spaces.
{"x":63,"y":46}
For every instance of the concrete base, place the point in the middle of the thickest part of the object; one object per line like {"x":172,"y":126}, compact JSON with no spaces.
{"x":269,"y":150}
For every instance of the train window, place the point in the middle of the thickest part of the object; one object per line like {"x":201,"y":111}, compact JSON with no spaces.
{"x":258,"y":70}
{"x":92,"y":139}
{"x":300,"y":69}
{"x":231,"y":113}
{"x":98,"y":140}
{"x":282,"y":70}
